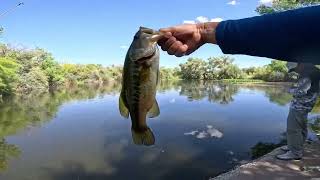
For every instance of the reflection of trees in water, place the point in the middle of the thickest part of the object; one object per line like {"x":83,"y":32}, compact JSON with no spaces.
{"x":20,"y":112}
{"x":223,"y":92}
{"x":194,"y":90}
{"x":262,"y":148}
{"x":277,"y":94}
{"x":7,"y":151}
{"x":316,"y":108}
{"x":165,"y":85}
{"x":215,"y":92}
{"x":314,"y":123}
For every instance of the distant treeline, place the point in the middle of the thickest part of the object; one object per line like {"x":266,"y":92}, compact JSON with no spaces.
{"x":24,"y":71}
{"x":218,"y":68}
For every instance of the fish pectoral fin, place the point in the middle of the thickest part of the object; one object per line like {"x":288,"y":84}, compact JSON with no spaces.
{"x":154,"y":111}
{"x":143,"y":138}
{"x":124,"y":111}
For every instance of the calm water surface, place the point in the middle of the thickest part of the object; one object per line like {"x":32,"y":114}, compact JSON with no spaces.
{"x":204,"y":129}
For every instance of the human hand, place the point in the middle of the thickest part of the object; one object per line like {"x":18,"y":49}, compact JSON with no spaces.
{"x":185,"y":39}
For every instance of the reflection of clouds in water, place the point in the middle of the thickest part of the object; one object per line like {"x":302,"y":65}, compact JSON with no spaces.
{"x":230,"y":152}
{"x":202,"y":135}
{"x":172,"y":100}
{"x":215,"y":133}
{"x":191,"y":133}
{"x":114,"y":152}
{"x":209,"y":132}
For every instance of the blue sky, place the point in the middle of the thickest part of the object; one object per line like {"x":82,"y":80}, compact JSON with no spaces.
{"x":99,"y":31}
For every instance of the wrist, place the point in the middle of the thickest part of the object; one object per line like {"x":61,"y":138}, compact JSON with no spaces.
{"x":208,"y":32}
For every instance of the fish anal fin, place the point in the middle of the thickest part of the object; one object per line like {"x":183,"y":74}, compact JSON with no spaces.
{"x":154,"y":111}
{"x":124,"y":111}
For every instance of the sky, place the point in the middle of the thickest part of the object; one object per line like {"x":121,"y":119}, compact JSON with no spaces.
{"x":100,"y":31}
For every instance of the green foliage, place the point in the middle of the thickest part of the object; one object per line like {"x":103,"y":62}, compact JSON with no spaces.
{"x":219,"y":68}
{"x":169,"y":73}
{"x":283,"y":5}
{"x":215,"y":68}
{"x":52,"y":70}
{"x":36,"y":71}
{"x":276,"y":71}
{"x":8,"y":69}
{"x":194,"y":68}
{"x":34,"y":81}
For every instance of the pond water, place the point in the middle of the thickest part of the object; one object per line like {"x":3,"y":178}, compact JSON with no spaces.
{"x":204,"y":129}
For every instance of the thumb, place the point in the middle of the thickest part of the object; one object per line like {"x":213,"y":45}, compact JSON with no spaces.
{"x":168,"y":29}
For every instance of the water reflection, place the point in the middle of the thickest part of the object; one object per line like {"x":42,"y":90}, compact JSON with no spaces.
{"x":209,"y":132}
{"x":214,"y":92}
{"x":220,"y":93}
{"x":198,"y":134}
{"x":24,"y":112}
{"x":7,"y":151}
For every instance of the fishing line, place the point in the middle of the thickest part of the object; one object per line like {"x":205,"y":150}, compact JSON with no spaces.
{"x":11,"y":9}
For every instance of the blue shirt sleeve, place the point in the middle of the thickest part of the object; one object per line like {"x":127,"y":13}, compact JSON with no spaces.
{"x":291,"y":35}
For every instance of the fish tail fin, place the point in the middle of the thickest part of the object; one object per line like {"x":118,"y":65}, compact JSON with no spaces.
{"x":143,"y":138}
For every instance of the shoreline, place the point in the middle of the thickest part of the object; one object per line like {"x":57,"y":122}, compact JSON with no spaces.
{"x":268,"y":167}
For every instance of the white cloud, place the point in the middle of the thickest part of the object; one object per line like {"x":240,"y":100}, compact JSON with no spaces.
{"x":123,"y":47}
{"x":216,"y":20}
{"x":266,"y":1}
{"x":202,"y":19}
{"x":233,"y":3}
{"x":189,"y":22}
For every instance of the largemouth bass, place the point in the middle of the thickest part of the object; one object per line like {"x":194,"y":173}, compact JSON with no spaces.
{"x":139,"y":82}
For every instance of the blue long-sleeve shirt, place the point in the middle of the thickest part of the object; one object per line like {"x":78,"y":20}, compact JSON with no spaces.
{"x":291,"y":35}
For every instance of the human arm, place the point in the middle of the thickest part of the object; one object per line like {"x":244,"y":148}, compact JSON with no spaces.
{"x":291,"y":36}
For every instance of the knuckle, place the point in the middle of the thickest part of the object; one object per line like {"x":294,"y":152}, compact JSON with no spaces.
{"x":164,"y":48}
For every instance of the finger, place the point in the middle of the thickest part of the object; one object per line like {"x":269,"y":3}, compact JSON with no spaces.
{"x":181,"y":51}
{"x":168,"y":43}
{"x":174,"y":47}
{"x":162,"y":41}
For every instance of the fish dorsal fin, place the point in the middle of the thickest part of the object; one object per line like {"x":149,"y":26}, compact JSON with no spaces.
{"x":154,"y":111}
{"x":122,"y":107}
{"x":143,"y":138}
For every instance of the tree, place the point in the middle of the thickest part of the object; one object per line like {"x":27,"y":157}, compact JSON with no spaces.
{"x":278,"y":66}
{"x":223,"y":68}
{"x":194,"y":68}
{"x":283,"y":5}
{"x":8,"y":76}
{"x":52,"y":70}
